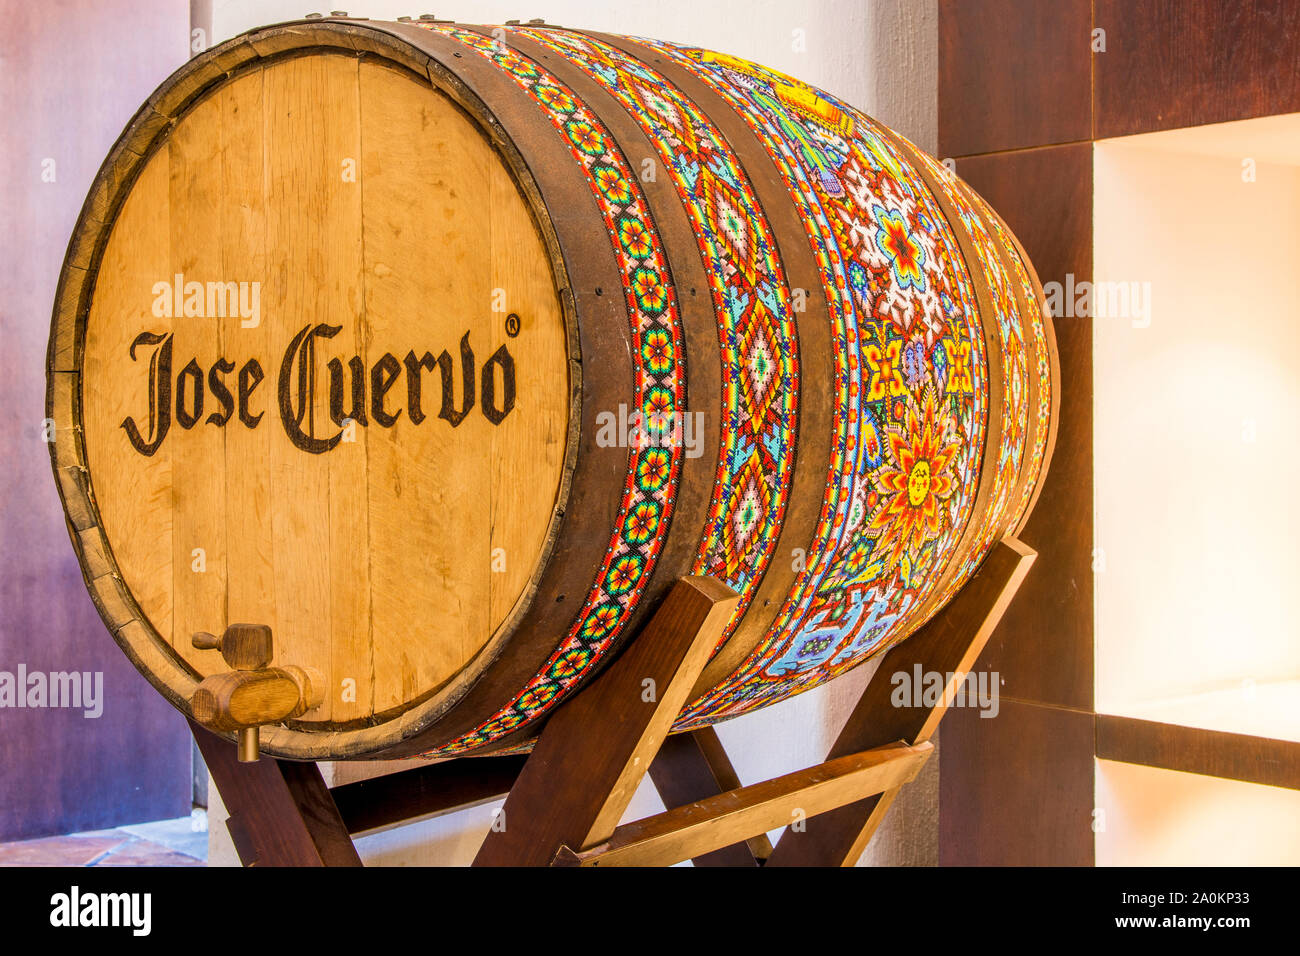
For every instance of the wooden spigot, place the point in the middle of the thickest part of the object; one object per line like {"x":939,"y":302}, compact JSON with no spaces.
{"x":254,"y":693}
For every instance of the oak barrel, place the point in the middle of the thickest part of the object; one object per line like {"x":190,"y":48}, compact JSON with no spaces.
{"x":441,"y":351}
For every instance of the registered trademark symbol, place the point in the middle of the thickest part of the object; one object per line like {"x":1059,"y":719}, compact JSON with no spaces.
{"x":512,"y":325}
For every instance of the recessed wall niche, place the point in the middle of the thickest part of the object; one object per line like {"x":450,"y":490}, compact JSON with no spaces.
{"x":1196,"y":333}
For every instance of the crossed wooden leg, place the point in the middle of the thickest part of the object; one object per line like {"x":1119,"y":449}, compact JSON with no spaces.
{"x":566,"y":799}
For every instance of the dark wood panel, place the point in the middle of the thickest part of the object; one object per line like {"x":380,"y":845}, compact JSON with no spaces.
{"x":425,"y":790}
{"x":1275,"y":763}
{"x":1171,"y":63}
{"x":1032,"y":798}
{"x":1013,"y":74}
{"x":1044,"y":647}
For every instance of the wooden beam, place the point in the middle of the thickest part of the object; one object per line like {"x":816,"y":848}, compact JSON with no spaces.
{"x":281,"y":812}
{"x":692,"y":767}
{"x":594,"y":750}
{"x":425,"y":791}
{"x":719,"y":821}
{"x":949,"y":643}
{"x":1171,"y":65}
{"x":1044,"y":645}
{"x":1212,"y":753}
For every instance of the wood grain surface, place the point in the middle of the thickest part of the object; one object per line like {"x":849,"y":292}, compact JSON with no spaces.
{"x":1170,"y":64}
{"x":1013,"y":74}
{"x":1216,"y":753}
{"x":390,"y":560}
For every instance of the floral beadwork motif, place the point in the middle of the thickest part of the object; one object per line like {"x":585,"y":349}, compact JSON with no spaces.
{"x":658,"y":352}
{"x":1042,"y":358}
{"x":909,"y":416}
{"x":1010,"y":324}
{"x":921,"y":282}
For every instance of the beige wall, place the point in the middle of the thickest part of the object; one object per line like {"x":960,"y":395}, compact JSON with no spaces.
{"x":1195,"y":411}
{"x":1157,"y":817}
{"x":1196,"y":463}
{"x":878,"y":54}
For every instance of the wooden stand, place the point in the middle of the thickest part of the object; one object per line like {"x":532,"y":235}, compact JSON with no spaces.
{"x":564,"y":801}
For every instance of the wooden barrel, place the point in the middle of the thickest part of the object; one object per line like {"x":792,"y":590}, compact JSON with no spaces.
{"x":442,"y":351}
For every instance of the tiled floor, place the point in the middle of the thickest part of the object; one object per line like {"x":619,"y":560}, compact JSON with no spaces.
{"x":165,"y":843}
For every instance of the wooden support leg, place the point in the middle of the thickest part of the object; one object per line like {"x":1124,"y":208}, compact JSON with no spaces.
{"x":568,"y":796}
{"x":281,"y":812}
{"x":709,"y":825}
{"x":949,"y":643}
{"x":693,"y":767}
{"x":594,"y":750}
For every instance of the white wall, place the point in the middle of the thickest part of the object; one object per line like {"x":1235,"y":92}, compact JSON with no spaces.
{"x":879,"y":55}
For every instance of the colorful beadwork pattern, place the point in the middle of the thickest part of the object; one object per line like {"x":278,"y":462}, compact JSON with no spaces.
{"x":910,"y":380}
{"x":909,"y":419}
{"x":660,"y":379}
{"x":752,"y":300}
{"x":1015,"y":380}
{"x":1042,"y":358}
